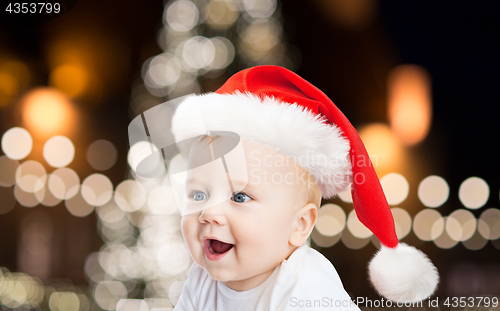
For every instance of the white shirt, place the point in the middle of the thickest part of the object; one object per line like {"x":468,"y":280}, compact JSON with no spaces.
{"x":306,"y":281}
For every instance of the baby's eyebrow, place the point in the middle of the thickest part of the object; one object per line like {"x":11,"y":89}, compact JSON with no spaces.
{"x":231,"y":182}
{"x":245,"y":184}
{"x":193,"y":180}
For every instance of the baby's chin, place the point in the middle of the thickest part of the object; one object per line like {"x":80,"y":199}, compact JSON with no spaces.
{"x":224,"y":274}
{"x":220,"y":274}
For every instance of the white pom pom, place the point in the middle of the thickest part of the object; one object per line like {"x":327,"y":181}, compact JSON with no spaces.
{"x":403,"y":274}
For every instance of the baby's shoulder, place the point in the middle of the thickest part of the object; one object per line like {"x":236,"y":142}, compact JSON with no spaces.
{"x":309,"y":278}
{"x":313,"y":270}
{"x":315,"y":262}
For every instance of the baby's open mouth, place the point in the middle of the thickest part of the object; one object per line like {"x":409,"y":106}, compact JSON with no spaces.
{"x":219,"y":247}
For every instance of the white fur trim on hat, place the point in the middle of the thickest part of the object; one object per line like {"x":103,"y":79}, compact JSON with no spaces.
{"x":286,"y":127}
{"x":403,"y":274}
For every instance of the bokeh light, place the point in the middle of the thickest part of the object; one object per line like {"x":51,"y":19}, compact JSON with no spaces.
{"x":130,"y":196}
{"x":396,"y":188}
{"x":110,"y":213}
{"x":58,"y":151}
{"x":78,"y":206}
{"x":64,"y":183}
{"x":47,"y":111}
{"x":224,"y":53}
{"x":161,"y":201}
{"x":382,"y":146}
{"x":198,"y":52}
{"x":402,"y":220}
{"x":181,"y":15}
{"x":489,"y":224}
{"x":17,"y":143}
{"x":356,"y":228}
{"x":433,"y":191}
{"x":453,"y":228}
{"x":102,"y":155}
{"x":27,"y":199}
{"x":461,"y":225}
{"x":428,"y":224}
{"x":444,"y":240}
{"x":173,"y":258}
{"x":353,"y":242}
{"x":187,"y":84}
{"x":71,"y":79}
{"x":108,"y":293}
{"x":354,"y":14}
{"x":474,"y":192}
{"x":8,"y":168}
{"x":64,"y":301}
{"x":221,"y":14}
{"x":331,"y":220}
{"x":132,"y":305}
{"x":475,"y":242}
{"x":31,"y":176}
{"x":8,"y":87}
{"x":119,"y":261}
{"x":410,"y":108}
{"x":346,"y":196}
{"x":260,"y":8}
{"x":113,"y":232}
{"x":323,"y":240}
{"x":45,"y":197}
{"x":14,"y":77}
{"x":259,"y":38}
{"x":139,"y":151}
{"x":97,"y":189}
{"x":20,"y":291}
{"x":92,"y":269}
{"x":329,"y":225}
{"x":163,"y":70}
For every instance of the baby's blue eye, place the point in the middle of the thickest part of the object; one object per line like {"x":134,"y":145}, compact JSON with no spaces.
{"x":240,"y":197}
{"x":199,"y":196}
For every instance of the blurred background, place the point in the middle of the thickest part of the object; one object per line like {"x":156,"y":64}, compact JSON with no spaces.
{"x":80,"y":231}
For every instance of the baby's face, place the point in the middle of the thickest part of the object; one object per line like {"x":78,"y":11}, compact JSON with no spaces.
{"x":240,"y":237}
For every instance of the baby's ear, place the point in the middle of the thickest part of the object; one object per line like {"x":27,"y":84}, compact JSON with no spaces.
{"x":305,"y":220}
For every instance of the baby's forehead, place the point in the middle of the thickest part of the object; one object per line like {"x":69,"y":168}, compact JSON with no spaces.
{"x":269,"y":160}
{"x":254,"y":154}
{"x":264,"y":157}
{"x":258,"y":162}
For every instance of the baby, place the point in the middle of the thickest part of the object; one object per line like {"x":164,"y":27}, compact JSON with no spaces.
{"x":249,"y":247}
{"x":251,"y":202}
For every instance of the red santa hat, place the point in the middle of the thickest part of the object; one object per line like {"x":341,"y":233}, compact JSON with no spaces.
{"x":275,"y":107}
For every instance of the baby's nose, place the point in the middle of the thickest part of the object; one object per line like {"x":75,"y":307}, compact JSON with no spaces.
{"x":214,"y":214}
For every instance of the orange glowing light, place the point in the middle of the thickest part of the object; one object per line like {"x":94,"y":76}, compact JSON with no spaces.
{"x":87,"y":64}
{"x":46,"y":111}
{"x":14,"y":76}
{"x":410,"y":107}
{"x":382,"y":146}
{"x":354,"y":14}
{"x":8,"y":87}
{"x":71,"y":79}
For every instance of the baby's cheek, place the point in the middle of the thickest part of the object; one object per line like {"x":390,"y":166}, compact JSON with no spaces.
{"x":188,"y":228}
